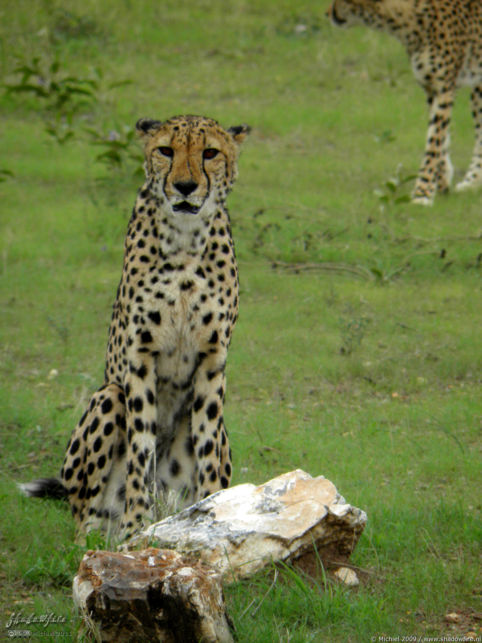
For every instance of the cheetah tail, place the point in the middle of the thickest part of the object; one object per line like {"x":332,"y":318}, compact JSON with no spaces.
{"x":44,"y":488}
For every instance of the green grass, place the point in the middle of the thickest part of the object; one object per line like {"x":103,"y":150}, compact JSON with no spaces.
{"x":357,"y":351}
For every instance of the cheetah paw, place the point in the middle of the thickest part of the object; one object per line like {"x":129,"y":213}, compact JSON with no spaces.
{"x":468,"y":184}
{"x":422,"y":200}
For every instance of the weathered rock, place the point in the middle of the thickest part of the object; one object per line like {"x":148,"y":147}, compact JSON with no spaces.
{"x":452,"y":617}
{"x":151,"y":595}
{"x":242,"y":529}
{"x":346,"y":576}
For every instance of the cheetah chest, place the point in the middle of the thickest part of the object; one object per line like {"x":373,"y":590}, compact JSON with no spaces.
{"x":180,"y":339}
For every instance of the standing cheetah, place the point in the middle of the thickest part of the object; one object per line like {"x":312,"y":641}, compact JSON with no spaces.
{"x":156,"y":425}
{"x":444,"y":41}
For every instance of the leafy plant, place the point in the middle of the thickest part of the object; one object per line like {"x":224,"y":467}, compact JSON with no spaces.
{"x":62,"y":95}
{"x":68,"y":24}
{"x":387,"y":136}
{"x":5,"y":174}
{"x":119,"y":147}
{"x":59,"y":92}
{"x":391,"y":193}
{"x":352,"y":330}
{"x":385,"y":274}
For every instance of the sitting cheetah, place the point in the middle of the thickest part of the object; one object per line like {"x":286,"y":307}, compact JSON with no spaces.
{"x":156,"y":425}
{"x":444,"y":41}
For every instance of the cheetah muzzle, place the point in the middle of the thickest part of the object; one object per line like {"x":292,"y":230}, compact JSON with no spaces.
{"x":156,"y":427}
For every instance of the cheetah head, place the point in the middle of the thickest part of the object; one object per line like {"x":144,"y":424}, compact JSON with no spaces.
{"x":191,"y":163}
{"x":344,"y":13}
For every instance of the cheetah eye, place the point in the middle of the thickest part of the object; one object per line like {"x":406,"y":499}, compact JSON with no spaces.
{"x":166,"y":151}
{"x":210,"y":153}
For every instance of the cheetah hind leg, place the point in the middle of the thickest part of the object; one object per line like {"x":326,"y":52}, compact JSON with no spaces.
{"x":94,"y":469}
{"x":473,"y":177}
{"x":436,"y":168}
{"x":445,"y":170}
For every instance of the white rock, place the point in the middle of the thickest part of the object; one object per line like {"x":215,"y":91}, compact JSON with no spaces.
{"x":452,"y":617}
{"x":346,"y":576}
{"x":242,"y":529}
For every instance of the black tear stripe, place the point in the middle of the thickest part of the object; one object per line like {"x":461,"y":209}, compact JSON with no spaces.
{"x":208,"y":192}
{"x":165,"y":180}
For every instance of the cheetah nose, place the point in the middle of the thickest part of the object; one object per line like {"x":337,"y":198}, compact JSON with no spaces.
{"x":185,"y":187}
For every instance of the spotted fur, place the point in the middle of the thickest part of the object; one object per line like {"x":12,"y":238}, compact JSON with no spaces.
{"x":156,"y":425}
{"x":444,"y":41}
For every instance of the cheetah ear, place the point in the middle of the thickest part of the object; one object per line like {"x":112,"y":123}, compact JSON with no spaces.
{"x":239,"y":132}
{"x":147,"y":127}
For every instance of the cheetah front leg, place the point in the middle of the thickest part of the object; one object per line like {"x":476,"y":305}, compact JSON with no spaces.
{"x":209,"y":436}
{"x":436,"y":168}
{"x":141,"y":423}
{"x":473,"y":176}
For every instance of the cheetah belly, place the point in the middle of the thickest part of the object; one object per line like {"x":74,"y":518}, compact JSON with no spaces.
{"x":175,"y":464}
{"x":173,"y":392}
{"x":470,"y":74}
{"x":176,"y":362}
